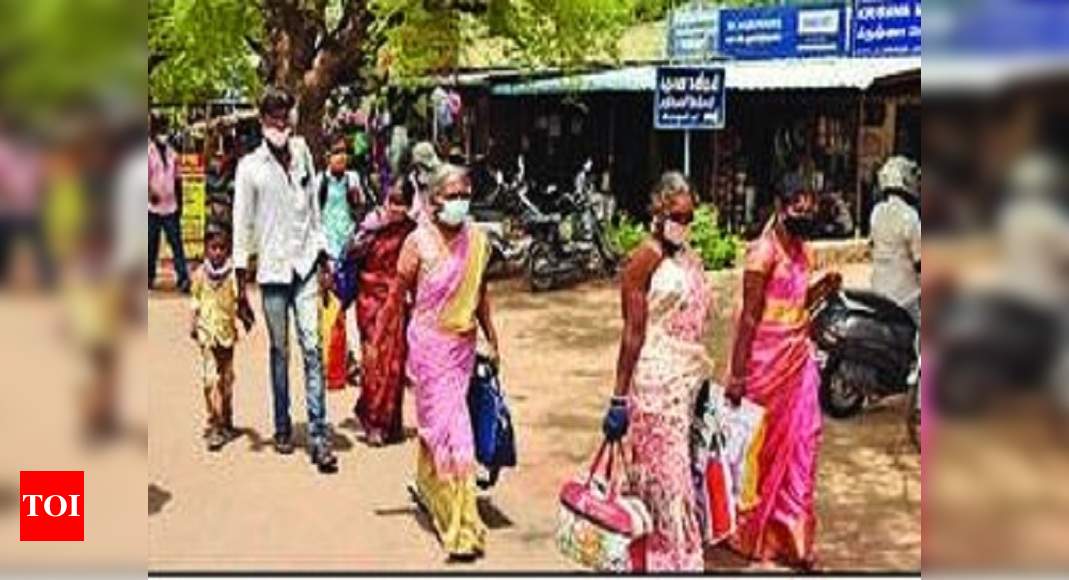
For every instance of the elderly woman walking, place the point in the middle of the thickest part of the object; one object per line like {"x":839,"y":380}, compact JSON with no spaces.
{"x":662,"y":363}
{"x":443,"y":262}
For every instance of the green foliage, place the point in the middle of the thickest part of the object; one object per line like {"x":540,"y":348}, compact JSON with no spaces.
{"x":718,"y":249}
{"x":561,"y":33}
{"x":58,"y":55}
{"x":421,"y":39}
{"x":203,"y":47}
{"x":624,"y":234}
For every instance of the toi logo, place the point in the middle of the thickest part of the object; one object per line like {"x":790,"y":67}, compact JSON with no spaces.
{"x":51,"y":506}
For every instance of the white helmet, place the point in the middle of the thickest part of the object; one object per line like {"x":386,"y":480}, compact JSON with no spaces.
{"x":900,"y":173}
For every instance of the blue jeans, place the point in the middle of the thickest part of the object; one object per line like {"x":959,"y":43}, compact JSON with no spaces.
{"x":172,"y":230}
{"x":300,"y":296}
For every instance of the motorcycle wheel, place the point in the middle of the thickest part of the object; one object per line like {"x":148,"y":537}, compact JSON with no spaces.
{"x":537,"y":277}
{"x":843,"y":388}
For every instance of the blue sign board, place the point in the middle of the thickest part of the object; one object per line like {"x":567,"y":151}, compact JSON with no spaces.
{"x":693,"y":34}
{"x":783,"y":32}
{"x":998,"y":28}
{"x":689,"y":97}
{"x":887,"y":28}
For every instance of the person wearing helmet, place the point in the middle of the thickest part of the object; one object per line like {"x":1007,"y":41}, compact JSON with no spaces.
{"x":896,"y":235}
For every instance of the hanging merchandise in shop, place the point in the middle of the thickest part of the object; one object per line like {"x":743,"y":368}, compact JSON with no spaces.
{"x":887,"y":28}
{"x":783,"y":32}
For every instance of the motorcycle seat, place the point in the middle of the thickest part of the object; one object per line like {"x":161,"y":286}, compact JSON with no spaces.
{"x":881,"y":307}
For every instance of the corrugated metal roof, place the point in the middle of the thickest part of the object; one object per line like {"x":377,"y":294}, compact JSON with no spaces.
{"x":852,"y":73}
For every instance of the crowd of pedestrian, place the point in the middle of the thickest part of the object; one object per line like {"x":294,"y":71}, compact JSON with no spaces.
{"x":412,"y":266}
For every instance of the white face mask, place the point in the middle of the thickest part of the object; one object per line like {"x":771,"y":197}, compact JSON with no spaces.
{"x":277,"y":138}
{"x":454,"y":211}
{"x":676,"y":233}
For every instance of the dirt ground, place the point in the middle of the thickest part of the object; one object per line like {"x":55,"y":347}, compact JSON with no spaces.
{"x":247,"y":508}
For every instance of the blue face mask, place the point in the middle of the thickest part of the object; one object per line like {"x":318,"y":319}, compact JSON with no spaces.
{"x":454,"y":212}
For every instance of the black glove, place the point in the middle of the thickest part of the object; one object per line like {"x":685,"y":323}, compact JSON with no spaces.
{"x":616,"y":420}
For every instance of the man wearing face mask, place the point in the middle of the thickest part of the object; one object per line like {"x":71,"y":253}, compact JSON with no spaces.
{"x":443,"y":265}
{"x":164,"y":203}
{"x":277,"y":217}
{"x":773,"y":364}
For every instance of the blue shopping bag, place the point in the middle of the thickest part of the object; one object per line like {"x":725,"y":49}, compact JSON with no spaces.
{"x":345,"y":281}
{"x":495,"y":439}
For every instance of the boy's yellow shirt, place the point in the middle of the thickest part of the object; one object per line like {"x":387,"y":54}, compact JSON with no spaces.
{"x":216,"y":305}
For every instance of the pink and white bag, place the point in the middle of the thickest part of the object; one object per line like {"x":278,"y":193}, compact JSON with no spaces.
{"x":600,"y":527}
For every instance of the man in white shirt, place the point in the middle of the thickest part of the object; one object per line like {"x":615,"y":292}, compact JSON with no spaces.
{"x":896,"y":236}
{"x":277,"y":217}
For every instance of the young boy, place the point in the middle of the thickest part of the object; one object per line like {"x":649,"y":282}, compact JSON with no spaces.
{"x":215,"y":311}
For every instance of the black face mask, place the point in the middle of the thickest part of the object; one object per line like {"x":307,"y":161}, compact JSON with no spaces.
{"x":799,"y":226}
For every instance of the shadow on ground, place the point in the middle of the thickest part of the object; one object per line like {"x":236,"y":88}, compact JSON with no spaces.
{"x":157,"y":498}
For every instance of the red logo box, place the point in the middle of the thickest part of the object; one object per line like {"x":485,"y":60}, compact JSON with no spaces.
{"x":51,"y":506}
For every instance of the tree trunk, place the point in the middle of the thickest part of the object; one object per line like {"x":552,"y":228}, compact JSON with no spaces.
{"x":308,"y":61}
{"x":312,"y":100}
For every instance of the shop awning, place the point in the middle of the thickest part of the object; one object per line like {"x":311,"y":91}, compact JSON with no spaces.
{"x":836,"y":73}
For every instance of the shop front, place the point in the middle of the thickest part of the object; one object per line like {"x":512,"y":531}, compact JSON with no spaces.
{"x":811,"y":118}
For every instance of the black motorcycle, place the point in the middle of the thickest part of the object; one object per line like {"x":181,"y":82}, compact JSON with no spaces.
{"x":569,"y":243}
{"x":867,"y":346}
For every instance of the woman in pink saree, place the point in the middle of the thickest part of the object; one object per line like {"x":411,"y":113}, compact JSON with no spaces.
{"x":443,"y":261}
{"x":773,"y":364}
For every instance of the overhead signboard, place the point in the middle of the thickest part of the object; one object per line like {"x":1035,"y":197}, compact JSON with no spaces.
{"x":689,"y":97}
{"x":783,"y":32}
{"x":693,"y":33}
{"x":887,"y":28}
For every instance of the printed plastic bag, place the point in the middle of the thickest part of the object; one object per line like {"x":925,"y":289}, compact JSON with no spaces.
{"x":714,"y":493}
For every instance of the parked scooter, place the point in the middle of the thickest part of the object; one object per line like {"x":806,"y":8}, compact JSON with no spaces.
{"x":498,"y":212}
{"x":508,"y":252}
{"x":569,"y":244}
{"x":867,"y":345}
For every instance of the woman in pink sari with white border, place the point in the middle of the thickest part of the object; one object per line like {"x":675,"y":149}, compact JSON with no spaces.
{"x":443,"y":262}
{"x":773,"y":364}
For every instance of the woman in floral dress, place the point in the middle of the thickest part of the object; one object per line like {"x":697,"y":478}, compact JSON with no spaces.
{"x":662,"y":363}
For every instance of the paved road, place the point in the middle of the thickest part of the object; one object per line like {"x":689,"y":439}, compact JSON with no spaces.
{"x":248,"y":508}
